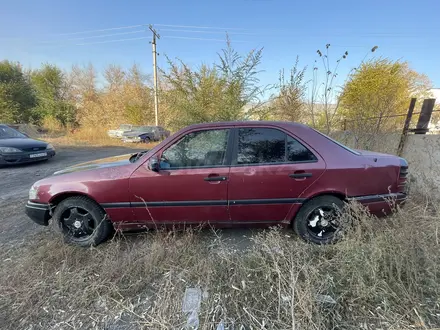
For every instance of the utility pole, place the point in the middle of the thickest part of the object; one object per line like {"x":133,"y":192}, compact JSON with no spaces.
{"x":153,"y":44}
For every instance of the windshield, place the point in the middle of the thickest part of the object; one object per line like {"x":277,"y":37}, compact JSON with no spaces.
{"x":338,"y":143}
{"x":9,"y":133}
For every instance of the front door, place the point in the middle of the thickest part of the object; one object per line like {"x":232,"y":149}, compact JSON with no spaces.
{"x":192,"y":182}
{"x":269,"y":171}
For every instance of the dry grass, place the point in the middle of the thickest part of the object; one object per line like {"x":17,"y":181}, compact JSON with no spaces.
{"x":89,"y":136}
{"x":384,"y":275}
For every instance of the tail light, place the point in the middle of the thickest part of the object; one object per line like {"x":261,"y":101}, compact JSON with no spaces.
{"x":403,"y":176}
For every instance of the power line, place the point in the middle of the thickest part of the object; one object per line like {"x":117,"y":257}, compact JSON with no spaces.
{"x":108,"y":41}
{"x":195,"y":38}
{"x":101,"y":30}
{"x":199,"y":27}
{"x":94,"y":37}
{"x":209,"y":32}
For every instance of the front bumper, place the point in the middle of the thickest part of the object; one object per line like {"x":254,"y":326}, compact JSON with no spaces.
{"x":25,"y":157}
{"x":38,"y":212}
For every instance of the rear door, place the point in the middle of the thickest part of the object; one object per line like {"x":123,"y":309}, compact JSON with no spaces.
{"x":269,"y":171}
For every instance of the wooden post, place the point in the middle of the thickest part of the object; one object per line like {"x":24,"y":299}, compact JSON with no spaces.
{"x":425,"y":116}
{"x":345,"y":125}
{"x":406,"y":126}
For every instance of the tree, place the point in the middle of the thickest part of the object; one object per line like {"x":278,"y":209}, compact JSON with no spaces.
{"x":52,"y":93}
{"x":289,"y":104}
{"x":217,"y":92}
{"x":138,"y":97}
{"x":378,"y":89}
{"x":17,"y":98}
{"x":86,"y":97}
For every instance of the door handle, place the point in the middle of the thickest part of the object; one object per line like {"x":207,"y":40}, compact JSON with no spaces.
{"x":216,"y":178}
{"x":300,"y":175}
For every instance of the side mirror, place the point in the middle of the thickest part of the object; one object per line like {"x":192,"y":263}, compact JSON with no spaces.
{"x":153,"y":164}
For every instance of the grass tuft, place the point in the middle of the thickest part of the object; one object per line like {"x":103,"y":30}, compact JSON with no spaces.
{"x":384,"y":274}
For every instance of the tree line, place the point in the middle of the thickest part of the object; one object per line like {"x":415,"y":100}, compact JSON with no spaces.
{"x":228,"y":89}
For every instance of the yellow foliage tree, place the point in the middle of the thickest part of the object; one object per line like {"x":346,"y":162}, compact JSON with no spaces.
{"x":377,"y":92}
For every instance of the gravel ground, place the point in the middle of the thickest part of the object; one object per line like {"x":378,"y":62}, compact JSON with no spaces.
{"x":15,"y":182}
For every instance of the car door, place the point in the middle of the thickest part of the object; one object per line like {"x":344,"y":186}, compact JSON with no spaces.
{"x":191,"y":184}
{"x":270,"y":169}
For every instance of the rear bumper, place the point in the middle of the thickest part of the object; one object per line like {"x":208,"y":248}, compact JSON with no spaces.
{"x":381,"y":205}
{"x":38,"y":212}
{"x":25,"y":157}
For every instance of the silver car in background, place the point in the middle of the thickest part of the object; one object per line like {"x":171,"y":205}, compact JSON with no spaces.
{"x":117,"y":133}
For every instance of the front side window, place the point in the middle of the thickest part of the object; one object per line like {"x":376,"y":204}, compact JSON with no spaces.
{"x":197,"y":149}
{"x":269,"y":145}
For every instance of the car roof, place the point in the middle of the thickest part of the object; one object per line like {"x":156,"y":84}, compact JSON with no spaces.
{"x":287,"y":124}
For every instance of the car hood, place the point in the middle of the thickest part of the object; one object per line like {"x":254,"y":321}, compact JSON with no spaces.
{"x":98,"y":164}
{"x":22,"y":143}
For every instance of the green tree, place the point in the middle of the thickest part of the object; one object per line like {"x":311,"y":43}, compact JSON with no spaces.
{"x":378,"y":89}
{"x":289,"y":104}
{"x":52,"y":94}
{"x":217,"y":92}
{"x":17,"y":98}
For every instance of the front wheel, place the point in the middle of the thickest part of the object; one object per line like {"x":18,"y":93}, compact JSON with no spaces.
{"x":318,"y":220}
{"x":82,"y":221}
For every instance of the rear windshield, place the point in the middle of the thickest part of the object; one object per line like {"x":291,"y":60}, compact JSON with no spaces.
{"x":338,"y":143}
{"x":9,"y":133}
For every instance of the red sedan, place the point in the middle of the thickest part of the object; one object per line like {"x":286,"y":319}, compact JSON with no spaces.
{"x":223,"y":174}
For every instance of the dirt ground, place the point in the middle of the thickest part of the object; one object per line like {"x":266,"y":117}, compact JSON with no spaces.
{"x":16,"y":180}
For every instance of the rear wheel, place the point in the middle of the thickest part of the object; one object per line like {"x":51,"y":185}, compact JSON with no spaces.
{"x":82,"y":221}
{"x":318,"y":221}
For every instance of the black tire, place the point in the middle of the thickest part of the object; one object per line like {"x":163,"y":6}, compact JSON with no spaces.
{"x":147,"y":139}
{"x":309,"y":230}
{"x":94,"y":228}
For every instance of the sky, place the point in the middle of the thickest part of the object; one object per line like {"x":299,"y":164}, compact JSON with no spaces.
{"x":82,"y":32}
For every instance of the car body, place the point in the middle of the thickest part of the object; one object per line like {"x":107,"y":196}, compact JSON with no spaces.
{"x":117,"y":133}
{"x":228,"y":174}
{"x":18,"y":148}
{"x":145,"y":134}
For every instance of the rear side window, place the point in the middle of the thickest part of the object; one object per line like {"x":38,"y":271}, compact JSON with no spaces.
{"x":260,"y":145}
{"x":296,"y":152}
{"x":269,"y":145}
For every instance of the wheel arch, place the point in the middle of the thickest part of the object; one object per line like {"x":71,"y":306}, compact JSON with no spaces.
{"x":335,"y":193}
{"x":58,"y":198}
{"x":293,"y":215}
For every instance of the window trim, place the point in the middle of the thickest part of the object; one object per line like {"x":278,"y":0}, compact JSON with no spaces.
{"x":286,"y":134}
{"x":228,"y":155}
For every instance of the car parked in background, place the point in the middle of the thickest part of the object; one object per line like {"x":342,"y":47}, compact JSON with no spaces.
{"x":225,"y":175}
{"x":18,"y":148}
{"x":117,"y":133}
{"x":146,"y":134}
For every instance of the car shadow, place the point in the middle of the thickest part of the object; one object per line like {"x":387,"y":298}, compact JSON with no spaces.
{"x":239,"y":239}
